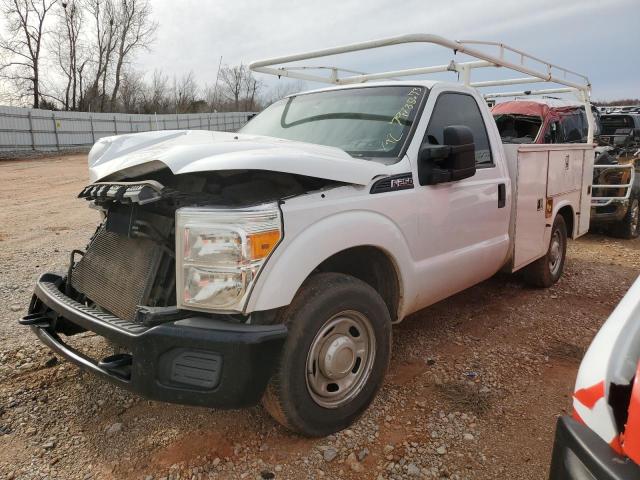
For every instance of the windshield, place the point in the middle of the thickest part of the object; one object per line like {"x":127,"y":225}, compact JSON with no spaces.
{"x":364,"y":122}
{"x":518,"y":128}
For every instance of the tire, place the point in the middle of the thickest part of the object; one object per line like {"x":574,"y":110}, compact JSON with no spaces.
{"x":547,"y":270}
{"x":629,"y":227}
{"x":331,"y":313}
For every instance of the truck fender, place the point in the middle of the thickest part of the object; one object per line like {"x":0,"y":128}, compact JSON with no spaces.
{"x":296,"y":258}
{"x":571,"y":227}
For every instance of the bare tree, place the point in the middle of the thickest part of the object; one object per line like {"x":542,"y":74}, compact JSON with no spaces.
{"x":62,"y":54}
{"x":252,"y":89}
{"x":185,"y":92}
{"x":68,"y":50}
{"x":5,"y":94}
{"x":81,"y":70}
{"x":233,"y":82}
{"x":136,"y":31}
{"x":156,"y":94}
{"x":624,"y":101}
{"x":131,"y":93}
{"x":23,"y":44}
{"x":240,"y":87}
{"x":94,"y":43}
{"x":212,"y":96}
{"x":104,"y":43}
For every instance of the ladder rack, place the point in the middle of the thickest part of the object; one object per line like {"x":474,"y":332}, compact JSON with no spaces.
{"x":535,"y":69}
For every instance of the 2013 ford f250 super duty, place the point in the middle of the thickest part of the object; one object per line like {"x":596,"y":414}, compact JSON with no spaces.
{"x":271,"y":264}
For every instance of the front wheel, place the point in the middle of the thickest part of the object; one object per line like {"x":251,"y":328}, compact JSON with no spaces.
{"x":335,"y":357}
{"x":547,"y":270}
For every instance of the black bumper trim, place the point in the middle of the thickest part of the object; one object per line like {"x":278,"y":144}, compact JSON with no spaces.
{"x":54,"y":342}
{"x":247,"y":354}
{"x":580,"y":454}
{"x":600,"y":217}
{"x":89,"y":318}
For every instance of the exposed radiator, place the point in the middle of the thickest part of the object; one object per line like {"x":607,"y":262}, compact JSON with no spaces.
{"x":118,"y":273}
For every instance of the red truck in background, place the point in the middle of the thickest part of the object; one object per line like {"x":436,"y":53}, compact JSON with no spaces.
{"x":541,"y":121}
{"x":616,"y":180}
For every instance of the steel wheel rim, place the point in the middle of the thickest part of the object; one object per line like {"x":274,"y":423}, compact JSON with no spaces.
{"x":635,"y":214}
{"x":340,"y":359}
{"x":555,"y":253}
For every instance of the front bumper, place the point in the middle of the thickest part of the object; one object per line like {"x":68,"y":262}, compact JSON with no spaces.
{"x":580,"y":454}
{"x":612,"y":213}
{"x":194,"y":361}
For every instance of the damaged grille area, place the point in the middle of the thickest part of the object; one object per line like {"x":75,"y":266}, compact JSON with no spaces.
{"x":130,"y":261}
{"x":116,"y":272}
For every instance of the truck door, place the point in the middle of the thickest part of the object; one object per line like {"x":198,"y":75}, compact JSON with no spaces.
{"x":463,"y":225}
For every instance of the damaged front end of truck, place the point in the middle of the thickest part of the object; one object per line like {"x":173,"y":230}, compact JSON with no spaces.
{"x":188,"y":221}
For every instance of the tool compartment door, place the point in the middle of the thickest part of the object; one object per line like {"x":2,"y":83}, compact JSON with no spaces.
{"x":585,"y":197}
{"x":530,"y":222}
{"x":565,"y":171}
{"x":570,"y":178}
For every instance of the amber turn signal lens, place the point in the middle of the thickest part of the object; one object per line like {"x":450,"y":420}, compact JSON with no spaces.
{"x":261,"y":244}
{"x":549,"y":208}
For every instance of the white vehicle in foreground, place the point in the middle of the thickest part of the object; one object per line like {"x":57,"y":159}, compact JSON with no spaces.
{"x":602,"y":440}
{"x":270,"y":264}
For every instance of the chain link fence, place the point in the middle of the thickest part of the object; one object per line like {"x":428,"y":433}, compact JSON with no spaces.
{"x":24,"y":130}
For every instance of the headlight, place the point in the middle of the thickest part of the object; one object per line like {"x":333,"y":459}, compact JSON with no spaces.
{"x":220,"y":252}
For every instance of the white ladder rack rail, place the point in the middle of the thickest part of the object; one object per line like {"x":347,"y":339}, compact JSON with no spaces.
{"x":541,"y":71}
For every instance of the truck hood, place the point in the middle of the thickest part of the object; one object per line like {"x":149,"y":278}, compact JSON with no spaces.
{"x":189,"y":151}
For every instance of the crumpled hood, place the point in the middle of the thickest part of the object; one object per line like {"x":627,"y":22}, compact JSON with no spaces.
{"x":188,"y":151}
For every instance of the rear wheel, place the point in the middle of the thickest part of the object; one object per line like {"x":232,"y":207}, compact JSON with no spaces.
{"x":335,"y":357}
{"x":629,"y":226}
{"x":547,"y":270}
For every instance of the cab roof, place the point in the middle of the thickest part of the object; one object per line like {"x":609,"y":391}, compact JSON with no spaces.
{"x":535,"y":108}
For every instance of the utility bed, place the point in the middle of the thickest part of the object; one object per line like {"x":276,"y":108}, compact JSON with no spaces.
{"x":543,"y":179}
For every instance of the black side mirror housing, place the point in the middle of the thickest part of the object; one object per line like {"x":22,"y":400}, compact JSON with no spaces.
{"x":455,"y":160}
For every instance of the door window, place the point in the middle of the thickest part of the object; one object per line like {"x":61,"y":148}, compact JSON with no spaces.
{"x":460,"y":109}
{"x":574,"y":127}
{"x":553,"y":133}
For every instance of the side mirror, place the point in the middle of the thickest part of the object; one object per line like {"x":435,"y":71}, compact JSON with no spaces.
{"x":455,"y":160}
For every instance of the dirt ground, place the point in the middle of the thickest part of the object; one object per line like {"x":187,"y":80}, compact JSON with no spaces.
{"x":474,"y":389}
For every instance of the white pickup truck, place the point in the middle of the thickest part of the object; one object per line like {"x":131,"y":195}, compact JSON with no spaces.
{"x":271,"y":264}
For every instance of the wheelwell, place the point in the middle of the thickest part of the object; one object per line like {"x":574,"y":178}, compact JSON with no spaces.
{"x":567,"y":214}
{"x":371,"y":265}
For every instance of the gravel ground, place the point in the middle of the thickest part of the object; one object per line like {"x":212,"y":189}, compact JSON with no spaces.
{"x":474,"y":389}
{"x":33,"y":154}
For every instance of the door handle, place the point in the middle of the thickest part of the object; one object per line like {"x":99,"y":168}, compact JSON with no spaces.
{"x":502,"y":195}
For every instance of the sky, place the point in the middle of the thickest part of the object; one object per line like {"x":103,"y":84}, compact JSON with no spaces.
{"x":600,"y":38}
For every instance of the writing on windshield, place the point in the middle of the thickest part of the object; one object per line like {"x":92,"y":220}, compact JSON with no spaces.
{"x":400,"y":119}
